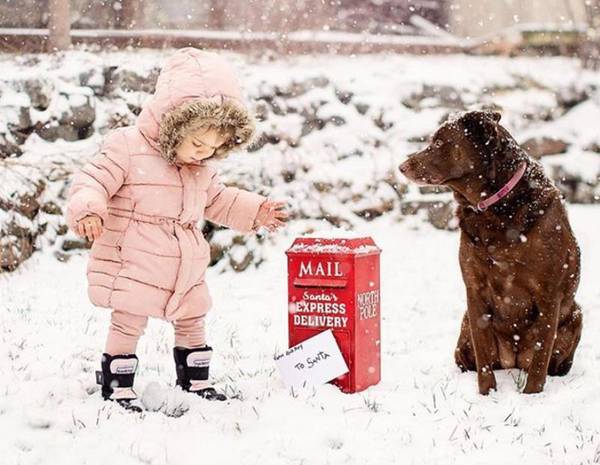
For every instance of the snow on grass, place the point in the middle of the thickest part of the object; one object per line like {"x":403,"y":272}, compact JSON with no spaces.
{"x":423,"y":412}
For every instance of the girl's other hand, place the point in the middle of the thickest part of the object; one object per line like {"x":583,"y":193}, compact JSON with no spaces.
{"x":271,"y":215}
{"x":90,"y":227}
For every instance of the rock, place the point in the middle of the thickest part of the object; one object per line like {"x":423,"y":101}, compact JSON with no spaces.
{"x":336,"y":220}
{"x":344,"y":96}
{"x":400,"y":187}
{"x":270,"y":138}
{"x":381,"y":123}
{"x":296,"y":89}
{"x":323,"y":187}
{"x":25,"y":204}
{"x":28,"y":206}
{"x":53,"y":131}
{"x":75,"y":244}
{"x":574,"y":188}
{"x":269,"y":102}
{"x":312,"y":123}
{"x":336,"y":120}
{"x":240,"y":258}
{"x":375,"y":211}
{"x":543,"y":146}
{"x":51,"y":208}
{"x":288,"y":175}
{"x":434,"y":189}
{"x":19,"y":123}
{"x":572,"y":96}
{"x":419,"y":139}
{"x":40,"y":92}
{"x":8,"y":147}
{"x":217,"y":252}
{"x":442,"y":216}
{"x":593,"y":147}
{"x":61,"y":256}
{"x":362,"y":108}
{"x":94,"y":79}
{"x":435,"y":96}
{"x":82,"y":116}
{"x":118,"y":79}
{"x":412,"y":207}
{"x":16,"y":246}
{"x":261,"y":111}
{"x":62,"y":229}
{"x":439,"y":213}
{"x":74,"y":124}
{"x":350,"y":153}
{"x":230,"y":250}
{"x":59,"y":173}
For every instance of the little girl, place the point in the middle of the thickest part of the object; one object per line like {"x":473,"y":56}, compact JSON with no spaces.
{"x":139,"y":200}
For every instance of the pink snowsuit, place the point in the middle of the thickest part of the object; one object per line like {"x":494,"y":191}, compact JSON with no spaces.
{"x":151,"y":258}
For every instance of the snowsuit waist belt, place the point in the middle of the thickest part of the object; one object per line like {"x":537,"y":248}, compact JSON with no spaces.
{"x":185,"y":234}
{"x":152,"y":219}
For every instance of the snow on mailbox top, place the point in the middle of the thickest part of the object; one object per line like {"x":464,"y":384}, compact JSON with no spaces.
{"x":316,"y":245}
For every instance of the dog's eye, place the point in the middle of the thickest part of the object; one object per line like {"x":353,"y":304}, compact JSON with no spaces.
{"x":438,"y":143}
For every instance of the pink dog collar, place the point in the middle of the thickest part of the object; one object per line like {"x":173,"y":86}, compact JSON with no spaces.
{"x":509,"y":186}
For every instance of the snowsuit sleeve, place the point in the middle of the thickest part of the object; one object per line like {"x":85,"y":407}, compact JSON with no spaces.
{"x":231,"y":207}
{"x":98,"y":180}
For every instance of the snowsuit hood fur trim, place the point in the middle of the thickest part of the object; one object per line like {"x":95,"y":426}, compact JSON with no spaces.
{"x":225,"y":116}
{"x":194,"y":89}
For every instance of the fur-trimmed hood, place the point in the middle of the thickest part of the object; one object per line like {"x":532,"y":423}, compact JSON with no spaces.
{"x":195,"y":87}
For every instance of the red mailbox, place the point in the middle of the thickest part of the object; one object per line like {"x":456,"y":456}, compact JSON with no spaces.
{"x":334,"y":284}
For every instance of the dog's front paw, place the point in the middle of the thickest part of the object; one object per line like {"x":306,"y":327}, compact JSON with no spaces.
{"x":533,"y":386}
{"x":464,"y":358}
{"x":486,"y":380}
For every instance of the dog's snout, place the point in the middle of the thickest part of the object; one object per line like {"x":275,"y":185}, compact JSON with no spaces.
{"x":403,"y":167}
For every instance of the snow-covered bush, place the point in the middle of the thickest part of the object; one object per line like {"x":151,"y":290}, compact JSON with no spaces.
{"x":332,"y":132}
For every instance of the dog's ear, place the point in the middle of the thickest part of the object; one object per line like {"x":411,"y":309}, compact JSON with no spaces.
{"x":494,"y":115}
{"x":481,"y":127}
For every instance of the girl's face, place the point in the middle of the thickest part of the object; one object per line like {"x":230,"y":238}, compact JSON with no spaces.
{"x":199,"y":145}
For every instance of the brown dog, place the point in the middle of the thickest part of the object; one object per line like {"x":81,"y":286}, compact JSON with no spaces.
{"x":518,"y":256}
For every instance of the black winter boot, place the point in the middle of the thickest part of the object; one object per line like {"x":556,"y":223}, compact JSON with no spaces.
{"x":192,"y":372}
{"x":116,"y":379}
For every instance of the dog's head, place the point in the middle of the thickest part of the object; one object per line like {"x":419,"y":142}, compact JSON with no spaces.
{"x":464,"y":146}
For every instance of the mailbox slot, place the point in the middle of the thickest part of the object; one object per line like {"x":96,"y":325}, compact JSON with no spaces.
{"x":320,"y":282}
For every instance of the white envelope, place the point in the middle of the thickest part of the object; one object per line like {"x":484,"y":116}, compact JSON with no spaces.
{"x":313,"y":362}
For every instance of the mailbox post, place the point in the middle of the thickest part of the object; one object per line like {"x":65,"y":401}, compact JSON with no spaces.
{"x":334,"y":284}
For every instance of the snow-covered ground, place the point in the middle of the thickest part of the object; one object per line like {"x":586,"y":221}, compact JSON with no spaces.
{"x":424,"y":411}
{"x":375,"y":110}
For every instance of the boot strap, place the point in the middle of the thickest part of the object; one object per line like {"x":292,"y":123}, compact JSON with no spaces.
{"x":197,"y":365}
{"x":192,"y":365}
{"x":199,"y":385}
{"x":124,"y":393}
{"x":192,"y":373}
{"x":121,"y":373}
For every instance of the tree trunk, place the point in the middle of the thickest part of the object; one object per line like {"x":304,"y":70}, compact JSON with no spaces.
{"x":590,"y":50}
{"x":59,"y":25}
{"x":130,"y":14}
{"x":217,"y":14}
{"x":592,"y":9}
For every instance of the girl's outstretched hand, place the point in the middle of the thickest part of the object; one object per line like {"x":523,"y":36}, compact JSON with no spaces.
{"x":271,"y":215}
{"x":90,"y":227}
